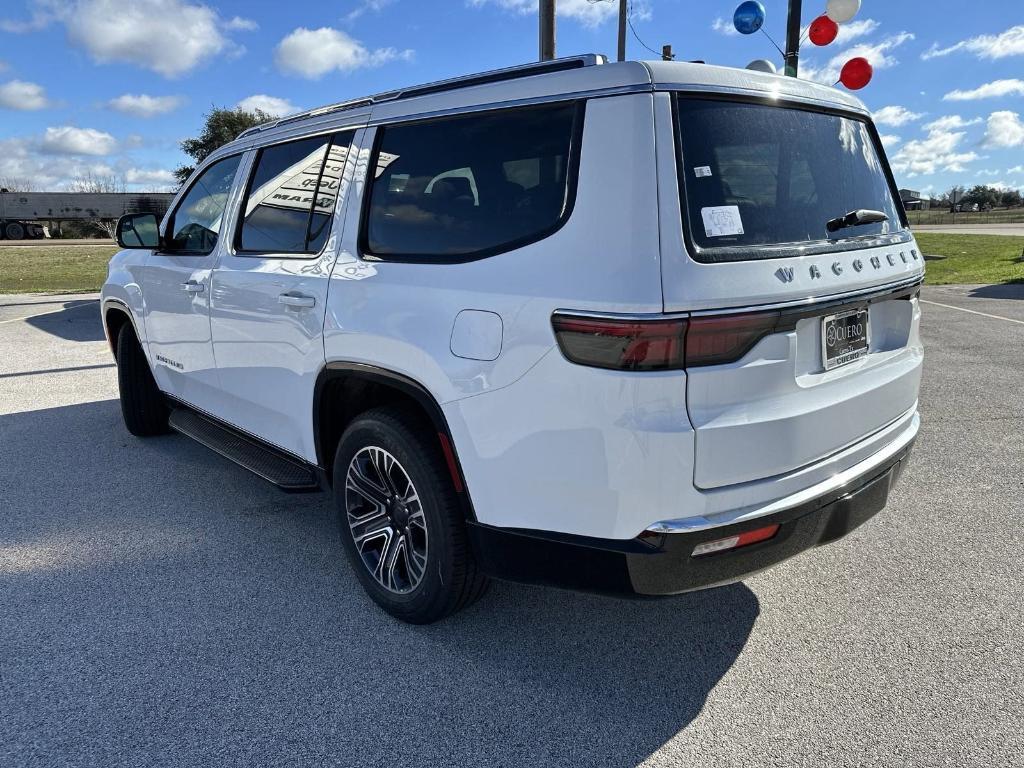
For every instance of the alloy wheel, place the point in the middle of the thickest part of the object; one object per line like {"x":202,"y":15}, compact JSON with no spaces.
{"x":385,"y":516}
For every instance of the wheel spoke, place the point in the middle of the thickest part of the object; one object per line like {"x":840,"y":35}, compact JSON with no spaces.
{"x":369,"y":526}
{"x":386,"y":565}
{"x":382,"y":463}
{"x":366,"y":487}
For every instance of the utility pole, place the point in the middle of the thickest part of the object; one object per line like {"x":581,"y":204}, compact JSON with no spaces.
{"x":547,"y":30}
{"x":793,"y":37}
{"x":623,"y":13}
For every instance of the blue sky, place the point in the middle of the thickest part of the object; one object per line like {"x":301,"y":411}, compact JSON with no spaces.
{"x":112,"y":86}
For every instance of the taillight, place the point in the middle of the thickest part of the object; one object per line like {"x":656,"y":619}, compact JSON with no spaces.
{"x":660,"y":344}
{"x":715,"y":339}
{"x":631,"y":345}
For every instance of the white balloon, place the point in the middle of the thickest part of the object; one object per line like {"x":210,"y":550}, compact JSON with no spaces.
{"x":762,"y":65}
{"x":841,"y":11}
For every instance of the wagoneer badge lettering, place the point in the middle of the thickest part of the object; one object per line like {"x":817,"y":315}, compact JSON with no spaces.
{"x":785,"y":274}
{"x":891,"y":259}
{"x":815,"y":272}
{"x":858,"y":264}
{"x":876,"y":262}
{"x":837,"y":268}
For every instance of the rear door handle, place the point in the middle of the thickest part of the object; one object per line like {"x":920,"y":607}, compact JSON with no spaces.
{"x":298,"y":300}
{"x":193,"y":287}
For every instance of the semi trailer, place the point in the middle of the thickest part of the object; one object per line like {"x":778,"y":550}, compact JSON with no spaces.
{"x":24,"y":215}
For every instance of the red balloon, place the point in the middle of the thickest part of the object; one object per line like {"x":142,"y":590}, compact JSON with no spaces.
{"x":823,"y":30}
{"x":856,"y":73}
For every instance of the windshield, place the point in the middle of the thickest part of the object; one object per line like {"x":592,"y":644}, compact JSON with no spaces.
{"x":757,"y":175}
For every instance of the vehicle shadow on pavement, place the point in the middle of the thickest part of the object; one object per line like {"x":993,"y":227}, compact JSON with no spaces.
{"x":162,"y":606}
{"x":77,"y":320}
{"x":999,"y":291}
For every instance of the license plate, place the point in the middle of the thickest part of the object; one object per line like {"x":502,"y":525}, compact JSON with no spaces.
{"x":844,"y":338}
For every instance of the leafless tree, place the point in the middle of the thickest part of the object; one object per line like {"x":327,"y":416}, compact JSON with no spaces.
{"x":96,"y":183}
{"x":16,"y":184}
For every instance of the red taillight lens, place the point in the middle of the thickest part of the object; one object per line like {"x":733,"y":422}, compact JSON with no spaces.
{"x":716,"y":339}
{"x":631,"y":345}
{"x":662,"y":344}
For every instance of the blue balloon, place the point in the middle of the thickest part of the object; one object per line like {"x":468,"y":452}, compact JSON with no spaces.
{"x":749,"y":17}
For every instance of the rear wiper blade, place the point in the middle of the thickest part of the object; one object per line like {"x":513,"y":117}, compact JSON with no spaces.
{"x":855,"y":218}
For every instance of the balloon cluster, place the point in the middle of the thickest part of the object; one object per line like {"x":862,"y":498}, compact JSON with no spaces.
{"x":855,"y":74}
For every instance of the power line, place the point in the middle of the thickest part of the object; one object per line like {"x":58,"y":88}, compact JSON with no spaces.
{"x":629,"y":20}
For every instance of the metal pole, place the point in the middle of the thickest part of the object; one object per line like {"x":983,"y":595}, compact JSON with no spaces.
{"x":793,"y":37}
{"x":547,"y":30}
{"x":623,"y":13}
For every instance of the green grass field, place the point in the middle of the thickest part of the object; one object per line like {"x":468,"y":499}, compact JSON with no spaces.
{"x":66,"y":269}
{"x":53,"y":268}
{"x":972,"y":259}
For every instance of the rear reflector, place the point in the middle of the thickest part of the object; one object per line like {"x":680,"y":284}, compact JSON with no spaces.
{"x":735,"y":542}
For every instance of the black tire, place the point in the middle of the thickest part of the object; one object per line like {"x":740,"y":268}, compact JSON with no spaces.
{"x":14,"y":231}
{"x":142,"y":405}
{"x":450,"y":580}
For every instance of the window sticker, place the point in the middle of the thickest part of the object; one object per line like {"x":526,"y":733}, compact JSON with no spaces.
{"x":722,"y":220}
{"x":700,"y":171}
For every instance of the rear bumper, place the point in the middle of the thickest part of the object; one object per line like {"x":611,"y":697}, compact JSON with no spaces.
{"x":657,"y":563}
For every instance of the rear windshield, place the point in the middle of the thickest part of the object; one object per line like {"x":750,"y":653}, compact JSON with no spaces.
{"x":759,"y":175}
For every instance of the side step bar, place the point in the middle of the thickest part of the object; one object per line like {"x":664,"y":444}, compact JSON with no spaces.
{"x":286,"y":472}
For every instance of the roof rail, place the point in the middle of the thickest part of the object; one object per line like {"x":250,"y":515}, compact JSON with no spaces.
{"x":440,"y":86}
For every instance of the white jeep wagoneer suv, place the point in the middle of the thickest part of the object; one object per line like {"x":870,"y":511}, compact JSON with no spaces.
{"x":636,"y":328}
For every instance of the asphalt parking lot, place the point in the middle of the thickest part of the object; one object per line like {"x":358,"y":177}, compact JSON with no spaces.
{"x":160,"y":606}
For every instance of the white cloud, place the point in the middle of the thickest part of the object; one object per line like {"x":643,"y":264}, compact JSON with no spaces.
{"x":238,"y":24}
{"x":154,"y":177}
{"x":988,"y":172}
{"x":895,"y":115}
{"x":851,"y":30}
{"x":940,"y":150}
{"x":171,"y":37}
{"x":1008,"y":43}
{"x":1016,"y":169}
{"x":725,"y":27}
{"x":878,"y":54}
{"x":272,"y":105}
{"x":589,"y":14}
{"x":949,"y":123}
{"x":18,"y":94}
{"x":313,"y":53}
{"x":68,"y":140}
{"x":376,"y":6}
{"x":889,"y":140}
{"x":142,"y":105}
{"x":995,"y":89}
{"x":1004,"y":129}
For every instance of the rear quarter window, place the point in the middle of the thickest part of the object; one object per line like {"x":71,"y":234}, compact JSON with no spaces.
{"x":470,"y":186}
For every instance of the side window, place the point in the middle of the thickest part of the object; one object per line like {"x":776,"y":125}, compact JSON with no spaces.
{"x":291,"y":195}
{"x":195,"y":224}
{"x":468,"y":186}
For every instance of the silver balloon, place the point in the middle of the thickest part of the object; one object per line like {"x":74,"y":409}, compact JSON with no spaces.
{"x":841,"y":11}
{"x":762,"y":65}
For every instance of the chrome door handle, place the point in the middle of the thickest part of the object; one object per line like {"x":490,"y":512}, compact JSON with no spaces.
{"x":296,"y":300}
{"x":193,"y":287}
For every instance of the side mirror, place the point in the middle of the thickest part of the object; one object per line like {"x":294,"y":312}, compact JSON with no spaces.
{"x":138,"y":230}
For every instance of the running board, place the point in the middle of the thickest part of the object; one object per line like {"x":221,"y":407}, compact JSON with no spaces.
{"x":286,"y":472}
